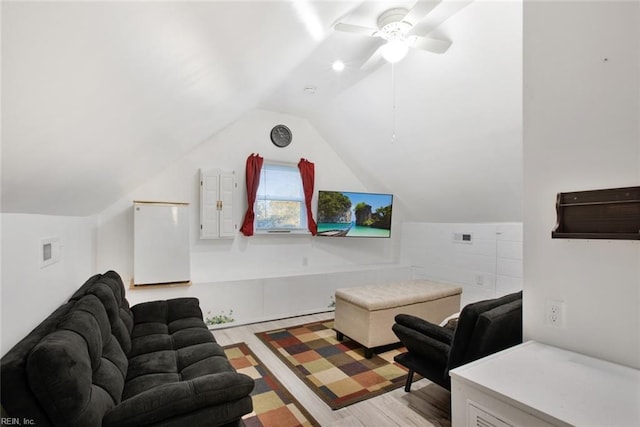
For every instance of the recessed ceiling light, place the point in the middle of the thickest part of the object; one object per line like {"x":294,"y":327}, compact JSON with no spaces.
{"x":310,"y":90}
{"x":337,"y":65}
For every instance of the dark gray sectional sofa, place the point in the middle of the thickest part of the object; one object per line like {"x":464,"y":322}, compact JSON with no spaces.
{"x":96,"y":361}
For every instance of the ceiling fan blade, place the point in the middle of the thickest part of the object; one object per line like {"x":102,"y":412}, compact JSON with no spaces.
{"x":429,"y":44}
{"x":373,"y":60}
{"x":357,"y":29}
{"x":420,"y":10}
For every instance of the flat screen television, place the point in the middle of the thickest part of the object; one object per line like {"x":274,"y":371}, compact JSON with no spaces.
{"x":351,"y":214}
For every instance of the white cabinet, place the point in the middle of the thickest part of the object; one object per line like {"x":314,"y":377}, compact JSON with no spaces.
{"x":534,"y":384}
{"x":160,"y":243}
{"x":217,"y":189}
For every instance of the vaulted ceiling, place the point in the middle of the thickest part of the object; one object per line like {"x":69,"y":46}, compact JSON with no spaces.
{"x":98,"y":96}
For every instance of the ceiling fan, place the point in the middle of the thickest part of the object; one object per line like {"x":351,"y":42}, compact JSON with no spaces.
{"x":394,"y":27}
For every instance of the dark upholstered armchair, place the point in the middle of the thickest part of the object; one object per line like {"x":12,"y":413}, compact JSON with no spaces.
{"x":483,"y":328}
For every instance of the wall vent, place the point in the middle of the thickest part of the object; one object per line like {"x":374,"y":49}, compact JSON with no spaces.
{"x":481,"y":417}
{"x":49,"y":252}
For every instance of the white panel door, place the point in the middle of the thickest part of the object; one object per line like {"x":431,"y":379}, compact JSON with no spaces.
{"x":209,"y":204}
{"x":227,"y":188}
{"x":217,"y":190}
{"x":161,"y":243}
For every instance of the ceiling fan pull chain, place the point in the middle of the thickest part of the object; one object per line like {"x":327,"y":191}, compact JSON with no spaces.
{"x":393,"y":103}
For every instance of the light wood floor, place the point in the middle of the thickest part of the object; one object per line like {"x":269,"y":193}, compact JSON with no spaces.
{"x":426,"y":405}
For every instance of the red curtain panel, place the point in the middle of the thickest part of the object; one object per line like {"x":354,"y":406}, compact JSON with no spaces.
{"x":307,"y":172}
{"x":254,"y":165}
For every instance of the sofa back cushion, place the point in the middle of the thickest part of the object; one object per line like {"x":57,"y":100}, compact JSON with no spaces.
{"x":109,"y":289}
{"x":465,"y":329}
{"x":77,"y":372}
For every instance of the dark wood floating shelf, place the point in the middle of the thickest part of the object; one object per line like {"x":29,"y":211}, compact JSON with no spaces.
{"x":598,"y":214}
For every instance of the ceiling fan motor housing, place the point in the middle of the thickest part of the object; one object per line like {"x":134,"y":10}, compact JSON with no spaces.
{"x":391,"y":25}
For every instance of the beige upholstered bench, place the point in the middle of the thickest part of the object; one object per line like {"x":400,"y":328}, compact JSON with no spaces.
{"x":366,"y":314}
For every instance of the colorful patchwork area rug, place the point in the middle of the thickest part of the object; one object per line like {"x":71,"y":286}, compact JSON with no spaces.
{"x":273,"y":405}
{"x":336,"y":371}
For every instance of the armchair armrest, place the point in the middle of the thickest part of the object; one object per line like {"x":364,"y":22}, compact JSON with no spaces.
{"x":180,"y":398}
{"x":436,"y":332}
{"x":421,"y":346}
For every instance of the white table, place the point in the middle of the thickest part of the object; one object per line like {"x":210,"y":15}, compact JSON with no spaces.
{"x":534,"y":384}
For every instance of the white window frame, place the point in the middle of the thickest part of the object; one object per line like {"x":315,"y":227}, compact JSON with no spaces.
{"x":291,"y":167}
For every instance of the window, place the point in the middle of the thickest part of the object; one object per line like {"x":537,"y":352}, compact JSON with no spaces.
{"x":280,"y":200}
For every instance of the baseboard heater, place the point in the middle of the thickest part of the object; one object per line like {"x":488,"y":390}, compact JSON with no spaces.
{"x":133,"y":285}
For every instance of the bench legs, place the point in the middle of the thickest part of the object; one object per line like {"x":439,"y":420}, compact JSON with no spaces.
{"x":368,"y":352}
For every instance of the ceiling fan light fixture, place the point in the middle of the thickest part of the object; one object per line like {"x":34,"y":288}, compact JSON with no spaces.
{"x":394,"y":50}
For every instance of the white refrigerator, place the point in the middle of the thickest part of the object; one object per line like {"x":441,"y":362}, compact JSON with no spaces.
{"x":160,"y":243}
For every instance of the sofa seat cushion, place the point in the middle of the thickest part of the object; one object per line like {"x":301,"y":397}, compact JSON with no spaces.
{"x":216,"y":397}
{"x":170,"y":343}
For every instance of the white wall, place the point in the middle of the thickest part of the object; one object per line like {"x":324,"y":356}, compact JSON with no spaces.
{"x":581,"y":131}
{"x":247,"y":257}
{"x":268,"y":298}
{"x":31,"y":292}
{"x":489,"y":266}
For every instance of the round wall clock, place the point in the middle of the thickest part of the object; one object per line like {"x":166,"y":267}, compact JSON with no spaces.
{"x":281,"y":136}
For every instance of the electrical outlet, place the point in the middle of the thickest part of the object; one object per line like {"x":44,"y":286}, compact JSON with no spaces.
{"x":554,"y":313}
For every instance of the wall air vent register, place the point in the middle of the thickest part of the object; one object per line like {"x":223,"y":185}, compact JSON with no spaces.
{"x":49,"y":252}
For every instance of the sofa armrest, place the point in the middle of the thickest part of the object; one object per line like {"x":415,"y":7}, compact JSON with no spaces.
{"x":180,"y":398}
{"x":431,"y":330}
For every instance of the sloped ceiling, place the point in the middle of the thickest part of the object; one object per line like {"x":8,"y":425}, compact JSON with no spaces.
{"x":457,"y":120}
{"x":98,"y":96}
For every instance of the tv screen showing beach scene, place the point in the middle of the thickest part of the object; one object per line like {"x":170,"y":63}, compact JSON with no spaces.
{"x":351,"y":214}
